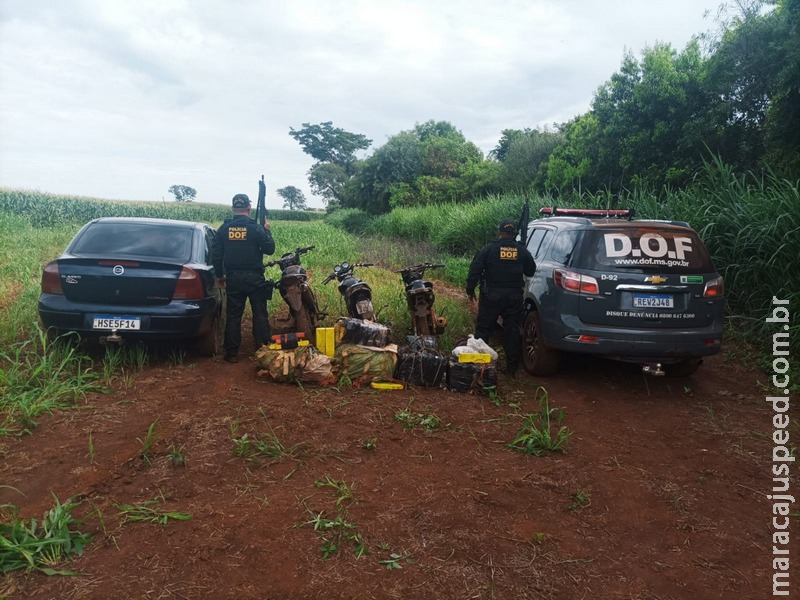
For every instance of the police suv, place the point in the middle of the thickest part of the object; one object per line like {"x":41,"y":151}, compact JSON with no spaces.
{"x":606,"y":284}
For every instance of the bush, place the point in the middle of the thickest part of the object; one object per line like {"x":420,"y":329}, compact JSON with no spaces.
{"x":351,"y":220}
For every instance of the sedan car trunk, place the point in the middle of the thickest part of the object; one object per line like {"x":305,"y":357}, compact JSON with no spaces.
{"x":118,"y":282}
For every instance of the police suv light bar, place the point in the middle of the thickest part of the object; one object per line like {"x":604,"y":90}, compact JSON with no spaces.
{"x":586,"y":212}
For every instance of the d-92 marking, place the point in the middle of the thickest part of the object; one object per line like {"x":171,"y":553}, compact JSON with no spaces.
{"x":609,"y":277}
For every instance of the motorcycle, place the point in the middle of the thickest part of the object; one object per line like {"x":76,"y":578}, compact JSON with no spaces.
{"x":356,"y":293}
{"x":304,"y":313}
{"x":420,"y":298}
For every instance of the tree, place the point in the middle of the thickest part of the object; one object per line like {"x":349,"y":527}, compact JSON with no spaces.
{"x":783,"y":115}
{"x":647,"y":117}
{"x":570,"y":166}
{"x":334,"y":149}
{"x":525,"y":157}
{"x":753,"y":76}
{"x":425,"y":165}
{"x":183,"y":193}
{"x":508,"y":135}
{"x":328,"y":180}
{"x":329,"y":144}
{"x":293,"y":198}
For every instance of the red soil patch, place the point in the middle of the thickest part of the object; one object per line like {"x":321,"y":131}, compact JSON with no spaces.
{"x":673,"y":470}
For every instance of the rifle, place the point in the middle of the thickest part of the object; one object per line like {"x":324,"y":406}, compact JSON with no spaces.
{"x":524,"y":218}
{"x":261,"y":208}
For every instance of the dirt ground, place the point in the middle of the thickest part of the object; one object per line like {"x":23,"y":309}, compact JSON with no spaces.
{"x":658,"y":496}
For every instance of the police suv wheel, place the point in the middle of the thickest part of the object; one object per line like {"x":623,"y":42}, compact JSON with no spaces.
{"x":537,"y":358}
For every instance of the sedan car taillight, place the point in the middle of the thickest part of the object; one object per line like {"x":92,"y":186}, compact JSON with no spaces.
{"x":575,"y":282}
{"x":714,"y":288}
{"x":51,"y":279}
{"x":190,"y":286}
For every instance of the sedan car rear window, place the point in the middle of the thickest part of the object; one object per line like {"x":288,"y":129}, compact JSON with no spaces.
{"x":134,"y":239}
{"x":645,"y":248}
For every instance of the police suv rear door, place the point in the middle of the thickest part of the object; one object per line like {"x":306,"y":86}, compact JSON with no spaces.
{"x":649,"y":275}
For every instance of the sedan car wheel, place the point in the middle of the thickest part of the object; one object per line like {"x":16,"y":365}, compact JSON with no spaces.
{"x":209,"y":344}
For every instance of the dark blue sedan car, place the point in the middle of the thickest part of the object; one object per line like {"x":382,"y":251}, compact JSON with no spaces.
{"x":134,"y":278}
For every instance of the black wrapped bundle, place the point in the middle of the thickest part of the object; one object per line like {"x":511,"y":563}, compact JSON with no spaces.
{"x":426,"y":367}
{"x":362,"y":333}
{"x":471,"y":378}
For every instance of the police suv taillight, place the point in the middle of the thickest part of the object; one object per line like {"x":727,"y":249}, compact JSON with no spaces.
{"x":714,"y":288}
{"x":575,"y":282}
{"x":190,"y":286}
{"x":51,"y":279}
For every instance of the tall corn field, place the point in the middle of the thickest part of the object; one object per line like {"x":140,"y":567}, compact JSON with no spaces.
{"x":51,"y":210}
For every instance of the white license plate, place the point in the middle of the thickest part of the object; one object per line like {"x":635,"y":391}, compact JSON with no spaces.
{"x":653,"y":301}
{"x":364,"y":306}
{"x":115,"y":322}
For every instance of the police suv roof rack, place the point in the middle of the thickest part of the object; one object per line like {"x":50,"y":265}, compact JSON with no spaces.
{"x":588,"y":212}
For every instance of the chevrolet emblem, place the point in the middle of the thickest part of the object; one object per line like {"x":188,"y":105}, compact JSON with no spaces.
{"x":655,"y":279}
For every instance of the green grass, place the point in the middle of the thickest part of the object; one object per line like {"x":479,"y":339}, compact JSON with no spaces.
{"x":337,"y":530}
{"x":148,"y":443}
{"x":412,"y":420}
{"x":40,"y":545}
{"x":542,"y":432}
{"x":24,"y":250}
{"x":149,"y":512}
{"x":37,"y":377}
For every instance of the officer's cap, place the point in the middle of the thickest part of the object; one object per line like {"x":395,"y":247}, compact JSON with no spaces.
{"x":507,"y":227}
{"x":240,"y":201}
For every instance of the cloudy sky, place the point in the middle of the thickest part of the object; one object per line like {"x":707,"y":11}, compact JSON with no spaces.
{"x":119,"y":99}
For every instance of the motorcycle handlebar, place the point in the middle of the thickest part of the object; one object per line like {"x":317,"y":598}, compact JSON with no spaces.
{"x":288,"y":255}
{"x":347,"y":271}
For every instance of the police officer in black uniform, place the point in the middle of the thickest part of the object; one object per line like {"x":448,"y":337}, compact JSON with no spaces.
{"x":236,"y":255}
{"x":499,"y":267}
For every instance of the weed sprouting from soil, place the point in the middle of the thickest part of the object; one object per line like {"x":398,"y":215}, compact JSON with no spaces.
{"x":149,"y":512}
{"x":411,"y":419}
{"x":149,"y":441}
{"x":176,"y":456}
{"x":542,"y":431}
{"x":337,"y":530}
{"x":580,"y":500}
{"x":266,"y":445}
{"x":40,"y":546}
